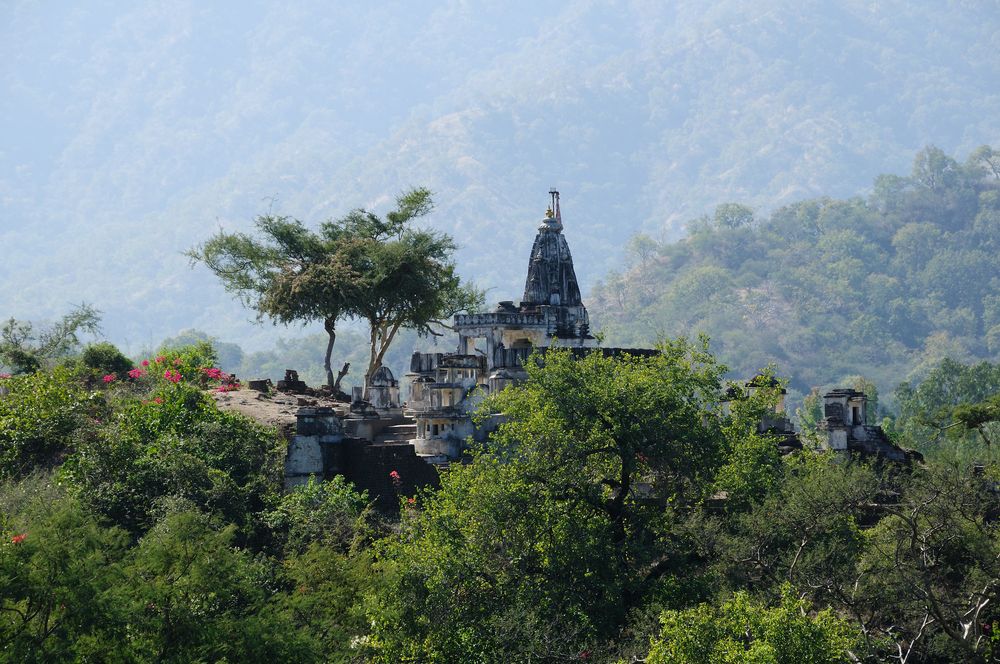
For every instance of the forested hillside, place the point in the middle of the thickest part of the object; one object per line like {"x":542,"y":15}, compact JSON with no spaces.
{"x":882,"y":286}
{"x":132,"y":132}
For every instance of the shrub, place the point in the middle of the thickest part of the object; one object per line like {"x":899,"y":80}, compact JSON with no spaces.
{"x":105,"y":358}
{"x":743,"y":630}
{"x":330,"y":513}
{"x":39,"y":418}
{"x":178,"y":444}
{"x":57,"y":564}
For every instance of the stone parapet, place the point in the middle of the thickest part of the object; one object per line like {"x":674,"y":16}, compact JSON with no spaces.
{"x":498,"y":318}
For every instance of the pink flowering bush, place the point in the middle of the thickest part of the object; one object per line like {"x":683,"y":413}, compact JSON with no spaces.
{"x":227,"y":382}
{"x":109,"y":378}
{"x":214,"y":373}
{"x":191,"y":365}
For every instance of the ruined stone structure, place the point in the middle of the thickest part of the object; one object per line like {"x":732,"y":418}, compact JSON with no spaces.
{"x":383,"y":392}
{"x":774,"y":423}
{"x":323,"y":446}
{"x":845,"y":413}
{"x":316,"y":450}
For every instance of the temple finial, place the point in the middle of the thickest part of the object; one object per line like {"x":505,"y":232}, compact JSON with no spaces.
{"x":554,"y":206}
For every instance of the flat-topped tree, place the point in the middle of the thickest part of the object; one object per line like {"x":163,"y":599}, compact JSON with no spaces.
{"x":360,"y":266}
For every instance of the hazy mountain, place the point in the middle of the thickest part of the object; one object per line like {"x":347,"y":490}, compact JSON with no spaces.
{"x":884,"y":286}
{"x":131,"y":132}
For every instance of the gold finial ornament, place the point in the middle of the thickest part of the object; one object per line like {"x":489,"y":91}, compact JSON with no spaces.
{"x":549,"y":214}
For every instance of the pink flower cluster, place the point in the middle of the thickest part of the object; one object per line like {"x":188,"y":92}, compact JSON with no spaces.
{"x":17,"y":539}
{"x":228,"y":381}
{"x":110,"y":378}
{"x":173,"y":376}
{"x":156,"y":400}
{"x":4,"y":375}
{"x":137,"y":373}
{"x":145,"y":363}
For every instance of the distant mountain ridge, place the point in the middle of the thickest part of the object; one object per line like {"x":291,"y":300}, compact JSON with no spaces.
{"x":131,"y":134}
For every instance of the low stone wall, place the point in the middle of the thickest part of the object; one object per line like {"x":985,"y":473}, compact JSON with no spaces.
{"x":369,"y":468}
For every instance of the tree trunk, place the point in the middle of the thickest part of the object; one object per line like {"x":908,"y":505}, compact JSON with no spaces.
{"x":373,"y":344}
{"x":340,"y":377}
{"x":380,"y":342}
{"x":330,"y":325}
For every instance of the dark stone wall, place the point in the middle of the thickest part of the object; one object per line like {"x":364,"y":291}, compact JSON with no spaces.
{"x":369,"y":466}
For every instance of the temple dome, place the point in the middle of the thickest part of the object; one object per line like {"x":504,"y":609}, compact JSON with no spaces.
{"x":550,"y":223}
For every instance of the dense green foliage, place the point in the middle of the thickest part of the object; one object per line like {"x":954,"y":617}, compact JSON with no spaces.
{"x":566,"y":525}
{"x":40,"y":415}
{"x":177,"y":444}
{"x":140,"y":523}
{"x":104,"y":358}
{"x":882,"y":286}
{"x":742,"y":631}
{"x":953,"y":407}
{"x":626,"y":509}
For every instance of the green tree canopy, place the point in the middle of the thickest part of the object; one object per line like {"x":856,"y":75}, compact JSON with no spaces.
{"x":951,"y":394}
{"x":567,"y":523}
{"x":882,"y":286}
{"x":381,"y":270}
{"x":743,"y":631}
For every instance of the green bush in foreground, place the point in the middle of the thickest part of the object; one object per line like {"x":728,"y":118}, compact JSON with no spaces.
{"x":743,"y":631}
{"x":40,"y":415}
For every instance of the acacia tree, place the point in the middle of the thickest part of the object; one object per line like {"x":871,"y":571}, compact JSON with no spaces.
{"x":360,"y":266}
{"x":408,"y":275}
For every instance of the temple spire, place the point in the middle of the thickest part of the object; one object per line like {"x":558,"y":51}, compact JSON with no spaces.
{"x":551,"y":279}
